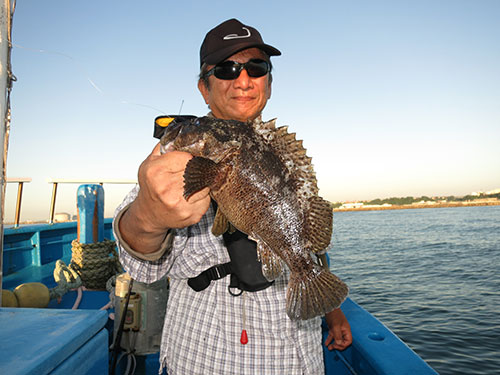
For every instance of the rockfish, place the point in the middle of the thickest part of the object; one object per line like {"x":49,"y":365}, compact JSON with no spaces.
{"x":265,"y":186}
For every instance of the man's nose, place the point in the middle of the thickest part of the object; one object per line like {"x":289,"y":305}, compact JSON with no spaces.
{"x":243,"y":81}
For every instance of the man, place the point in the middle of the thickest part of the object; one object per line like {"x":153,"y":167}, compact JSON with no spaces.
{"x":161,"y":233}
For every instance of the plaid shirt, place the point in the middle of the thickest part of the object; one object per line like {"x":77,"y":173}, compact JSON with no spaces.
{"x":202,"y":330}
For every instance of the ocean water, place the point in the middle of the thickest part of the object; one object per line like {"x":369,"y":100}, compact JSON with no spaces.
{"x":432,"y":276}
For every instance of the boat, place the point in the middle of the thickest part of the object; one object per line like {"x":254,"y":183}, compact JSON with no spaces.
{"x":55,"y":339}
{"x":76,"y":334}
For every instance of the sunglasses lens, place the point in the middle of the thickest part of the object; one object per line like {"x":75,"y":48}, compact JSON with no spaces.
{"x":229,"y":70}
{"x":257,"y":68}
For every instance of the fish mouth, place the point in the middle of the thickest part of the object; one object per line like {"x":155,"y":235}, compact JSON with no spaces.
{"x":169,"y":147}
{"x":183,"y":139}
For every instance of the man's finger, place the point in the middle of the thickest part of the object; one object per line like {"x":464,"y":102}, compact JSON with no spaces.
{"x":156,"y":150}
{"x":174,"y":161}
{"x":199,"y":196}
{"x":338,"y":337}
{"x":335,"y":339}
{"x":329,"y":340}
{"x":348,"y":337}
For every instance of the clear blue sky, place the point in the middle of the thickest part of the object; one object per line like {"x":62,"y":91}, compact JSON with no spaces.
{"x":391,"y":98}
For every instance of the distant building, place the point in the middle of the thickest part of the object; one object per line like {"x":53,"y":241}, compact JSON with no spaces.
{"x":351,"y":205}
{"x":422,"y":202}
{"x":377,"y":205}
{"x":491,"y":192}
{"x":61,"y":217}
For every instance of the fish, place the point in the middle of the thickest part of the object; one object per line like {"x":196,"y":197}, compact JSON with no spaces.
{"x":265,"y":186}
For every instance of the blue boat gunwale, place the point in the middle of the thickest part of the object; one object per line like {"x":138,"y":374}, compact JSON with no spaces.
{"x":382,"y":351}
{"x":30,"y":251}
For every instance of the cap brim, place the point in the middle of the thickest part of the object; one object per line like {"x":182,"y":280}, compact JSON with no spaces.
{"x":224,"y":53}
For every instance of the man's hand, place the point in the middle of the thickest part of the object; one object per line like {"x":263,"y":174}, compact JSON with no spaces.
{"x":339,"y":330}
{"x":160,"y":204}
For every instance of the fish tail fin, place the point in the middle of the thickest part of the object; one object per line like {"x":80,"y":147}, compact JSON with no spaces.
{"x":314,"y":294}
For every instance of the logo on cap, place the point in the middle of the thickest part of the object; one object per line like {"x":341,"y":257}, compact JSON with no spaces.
{"x":236,"y":36}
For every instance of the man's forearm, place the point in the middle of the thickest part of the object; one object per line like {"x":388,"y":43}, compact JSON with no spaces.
{"x":137,"y":235}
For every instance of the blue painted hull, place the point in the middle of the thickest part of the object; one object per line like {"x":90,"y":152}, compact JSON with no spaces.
{"x":30,"y":253}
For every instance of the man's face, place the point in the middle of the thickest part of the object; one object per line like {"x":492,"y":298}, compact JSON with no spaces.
{"x":242,"y":98}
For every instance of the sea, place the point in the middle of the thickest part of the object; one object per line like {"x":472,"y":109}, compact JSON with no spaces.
{"x":432,"y":276}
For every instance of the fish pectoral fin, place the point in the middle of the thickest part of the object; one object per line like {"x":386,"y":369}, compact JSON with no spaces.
{"x":318,"y":228}
{"x":199,"y":173}
{"x":272,"y":265}
{"x":221,"y":224}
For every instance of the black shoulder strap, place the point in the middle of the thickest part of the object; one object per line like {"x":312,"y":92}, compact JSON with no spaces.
{"x":202,"y":281}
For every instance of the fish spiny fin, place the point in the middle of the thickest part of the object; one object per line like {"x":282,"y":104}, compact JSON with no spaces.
{"x":272,"y":265}
{"x":264,"y":127}
{"x":199,"y":173}
{"x":315,"y":294}
{"x":293,"y":154}
{"x":318,"y":228}
{"x":221,"y":224}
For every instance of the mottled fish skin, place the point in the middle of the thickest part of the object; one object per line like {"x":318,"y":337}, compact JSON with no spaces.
{"x":265,"y":185}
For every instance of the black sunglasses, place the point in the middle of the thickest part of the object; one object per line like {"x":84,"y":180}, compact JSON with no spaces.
{"x":229,"y":70}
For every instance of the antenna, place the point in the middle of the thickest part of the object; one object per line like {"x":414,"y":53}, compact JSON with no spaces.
{"x":180,"y":109}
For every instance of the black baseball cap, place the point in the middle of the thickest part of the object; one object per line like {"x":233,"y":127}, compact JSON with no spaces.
{"x":229,"y":37}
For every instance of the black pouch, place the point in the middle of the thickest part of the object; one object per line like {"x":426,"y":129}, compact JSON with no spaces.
{"x":246,"y":270}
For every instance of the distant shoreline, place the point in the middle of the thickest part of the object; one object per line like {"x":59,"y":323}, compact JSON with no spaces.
{"x":420,"y":205}
{"x":367,"y":208}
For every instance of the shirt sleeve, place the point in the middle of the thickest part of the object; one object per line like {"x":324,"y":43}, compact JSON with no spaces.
{"x":146,"y":268}
{"x":165,"y":247}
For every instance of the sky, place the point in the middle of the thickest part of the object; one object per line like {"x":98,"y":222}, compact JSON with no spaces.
{"x":392,"y":98}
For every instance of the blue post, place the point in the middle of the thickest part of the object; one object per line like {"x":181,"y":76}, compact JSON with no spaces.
{"x":90,"y":205}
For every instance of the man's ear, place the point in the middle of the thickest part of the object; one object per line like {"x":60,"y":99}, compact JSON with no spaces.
{"x":203,"y":90}
{"x":269,"y":88}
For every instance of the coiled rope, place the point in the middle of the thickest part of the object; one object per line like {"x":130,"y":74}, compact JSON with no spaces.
{"x":95,"y":263}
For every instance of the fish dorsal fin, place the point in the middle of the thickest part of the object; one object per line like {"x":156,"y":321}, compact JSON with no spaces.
{"x":293,"y":154}
{"x":318,"y":228}
{"x":318,"y":212}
